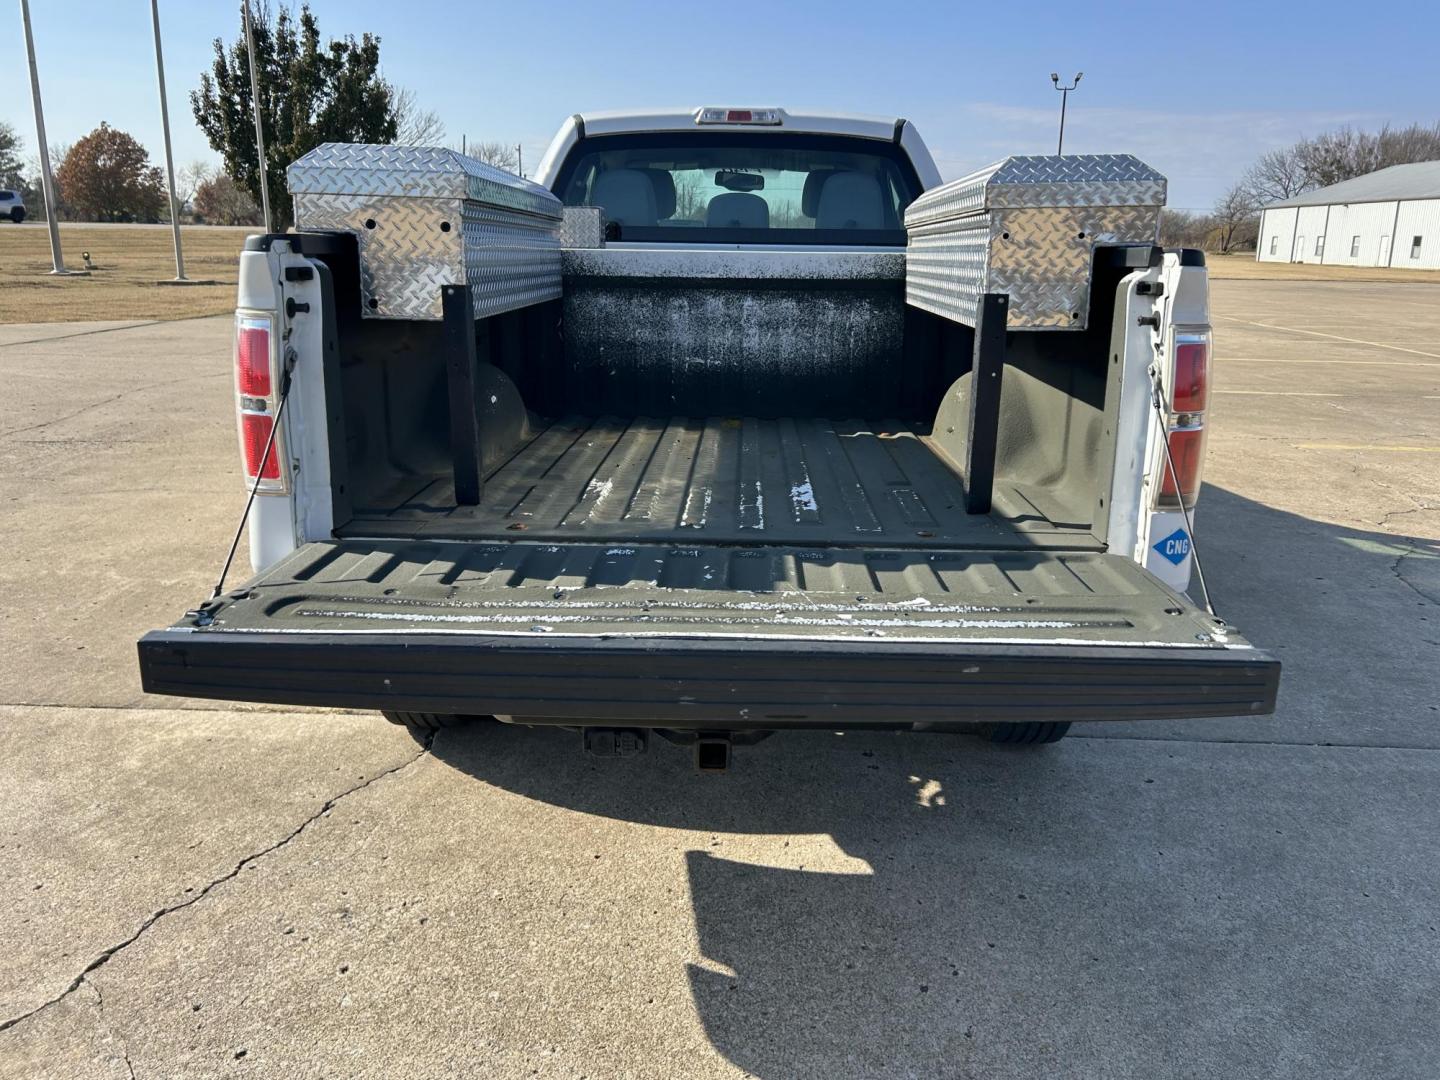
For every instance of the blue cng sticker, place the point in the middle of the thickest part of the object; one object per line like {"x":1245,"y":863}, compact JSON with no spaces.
{"x":1175,"y":547}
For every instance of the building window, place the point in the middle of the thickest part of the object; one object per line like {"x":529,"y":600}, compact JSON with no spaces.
{"x":1273,"y":241}
{"x":1415,"y":247}
{"x":1319,"y":246}
{"x":1354,"y":247}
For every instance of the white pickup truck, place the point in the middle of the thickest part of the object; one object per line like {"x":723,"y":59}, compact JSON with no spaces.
{"x":734,"y":419}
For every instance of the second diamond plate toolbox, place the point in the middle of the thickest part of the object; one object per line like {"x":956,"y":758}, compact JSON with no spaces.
{"x":1027,"y":227}
{"x":426,"y":217}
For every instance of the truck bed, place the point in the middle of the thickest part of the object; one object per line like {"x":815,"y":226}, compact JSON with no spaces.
{"x":726,"y":481}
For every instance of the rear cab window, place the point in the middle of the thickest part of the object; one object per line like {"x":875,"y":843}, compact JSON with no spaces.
{"x":714,"y":187}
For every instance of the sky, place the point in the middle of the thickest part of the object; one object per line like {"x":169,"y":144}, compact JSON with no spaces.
{"x":1196,"y":90}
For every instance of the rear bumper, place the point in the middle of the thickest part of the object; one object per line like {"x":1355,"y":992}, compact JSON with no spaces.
{"x":737,"y":683}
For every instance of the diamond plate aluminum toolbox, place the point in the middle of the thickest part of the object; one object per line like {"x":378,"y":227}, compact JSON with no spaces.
{"x":1027,"y":227}
{"x":426,"y":217}
{"x":584,"y":227}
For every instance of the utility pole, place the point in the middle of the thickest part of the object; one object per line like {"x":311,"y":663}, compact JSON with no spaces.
{"x":1064,"y":98}
{"x":169,"y":157}
{"x":47,"y":182}
{"x":259,"y":129}
{"x":520,"y":160}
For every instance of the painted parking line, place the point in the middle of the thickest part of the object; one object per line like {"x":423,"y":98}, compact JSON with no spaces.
{"x":1332,"y":337}
{"x":1277,"y":393}
{"x":1365,"y":446}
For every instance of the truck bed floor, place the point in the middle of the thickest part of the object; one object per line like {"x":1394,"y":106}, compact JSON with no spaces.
{"x":723,"y":480}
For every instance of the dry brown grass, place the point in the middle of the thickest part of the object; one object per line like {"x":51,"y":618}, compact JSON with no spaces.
{"x":1245,"y":267}
{"x":130,"y":259}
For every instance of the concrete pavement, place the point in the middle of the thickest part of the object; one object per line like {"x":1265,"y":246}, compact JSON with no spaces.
{"x":193,"y":890}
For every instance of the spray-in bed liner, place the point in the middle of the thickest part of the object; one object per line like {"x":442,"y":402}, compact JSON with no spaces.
{"x":725,"y":480}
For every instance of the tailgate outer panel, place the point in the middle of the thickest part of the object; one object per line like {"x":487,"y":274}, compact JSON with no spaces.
{"x":677,"y":682}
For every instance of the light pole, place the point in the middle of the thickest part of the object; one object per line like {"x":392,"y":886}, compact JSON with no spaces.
{"x":47,"y":183}
{"x":169,"y":158}
{"x":259,"y":130}
{"x":1064,"y":98}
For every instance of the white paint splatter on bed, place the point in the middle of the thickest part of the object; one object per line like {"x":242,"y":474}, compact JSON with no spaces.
{"x":803,"y":496}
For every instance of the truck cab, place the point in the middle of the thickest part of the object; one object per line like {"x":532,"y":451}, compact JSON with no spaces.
{"x":733,"y":419}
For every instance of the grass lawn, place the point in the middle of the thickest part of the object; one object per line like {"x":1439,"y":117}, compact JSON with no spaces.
{"x":1244,"y":266}
{"x":129,"y":260}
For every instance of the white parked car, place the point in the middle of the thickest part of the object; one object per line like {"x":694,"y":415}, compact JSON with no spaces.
{"x":12,"y":205}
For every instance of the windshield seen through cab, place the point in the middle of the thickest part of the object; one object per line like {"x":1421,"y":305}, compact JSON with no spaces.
{"x":723,"y":187}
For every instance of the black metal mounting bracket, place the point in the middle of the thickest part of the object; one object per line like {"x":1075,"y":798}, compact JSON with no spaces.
{"x":458,"y":335}
{"x":986,"y":379}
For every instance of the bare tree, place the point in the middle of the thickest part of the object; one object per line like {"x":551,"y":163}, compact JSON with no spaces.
{"x":1185,"y":228}
{"x":1235,"y":220}
{"x":1278,"y":175}
{"x":189,"y":179}
{"x":416,"y":126}
{"x":1338,"y":155}
{"x":1346,"y":153}
{"x":501,"y":155}
{"x":689,"y":203}
{"x":1408,"y":145}
{"x":1335,"y":156}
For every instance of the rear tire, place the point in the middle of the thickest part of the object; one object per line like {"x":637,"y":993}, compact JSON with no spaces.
{"x":17,"y":216}
{"x":429,"y":721}
{"x":1035,"y":733}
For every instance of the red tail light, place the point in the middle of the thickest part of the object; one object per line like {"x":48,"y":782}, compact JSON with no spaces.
{"x":252,"y":355}
{"x":254,"y":434}
{"x":1189,"y":395}
{"x":1192,"y":376}
{"x":1187,"y":450}
{"x":256,"y":400}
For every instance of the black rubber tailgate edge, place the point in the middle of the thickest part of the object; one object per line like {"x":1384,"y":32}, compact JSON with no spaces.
{"x":677,"y":682}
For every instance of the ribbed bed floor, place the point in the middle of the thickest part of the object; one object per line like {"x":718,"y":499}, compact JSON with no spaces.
{"x":722,"y":481}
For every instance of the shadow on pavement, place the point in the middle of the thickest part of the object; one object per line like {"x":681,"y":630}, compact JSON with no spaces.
{"x":870,"y":904}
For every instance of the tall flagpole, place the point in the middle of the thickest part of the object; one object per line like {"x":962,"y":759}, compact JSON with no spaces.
{"x":169,"y":158}
{"x":47,"y":182}
{"x":259,"y":129}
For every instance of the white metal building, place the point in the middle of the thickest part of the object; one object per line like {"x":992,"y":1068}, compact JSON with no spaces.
{"x":1385,"y":218}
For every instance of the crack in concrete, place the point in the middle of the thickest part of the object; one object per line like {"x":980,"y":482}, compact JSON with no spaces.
{"x":1412,"y":543}
{"x":1412,"y":549}
{"x":108,"y":954}
{"x":81,"y":333}
{"x":119,"y":1039}
{"x":1384,"y":521}
{"x":110,"y":401}
{"x":138,"y":325}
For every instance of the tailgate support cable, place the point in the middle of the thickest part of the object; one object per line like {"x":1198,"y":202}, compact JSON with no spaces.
{"x":290,"y":357}
{"x":1157,"y":398}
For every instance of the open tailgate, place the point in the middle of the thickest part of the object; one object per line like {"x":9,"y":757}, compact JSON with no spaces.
{"x":712,"y":635}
